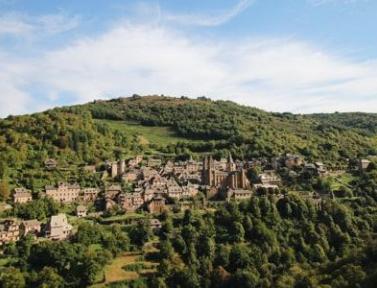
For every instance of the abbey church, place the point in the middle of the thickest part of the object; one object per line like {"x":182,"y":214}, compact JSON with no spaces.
{"x":223,"y":175}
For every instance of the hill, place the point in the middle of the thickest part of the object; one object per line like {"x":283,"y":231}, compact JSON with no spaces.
{"x":102,"y":130}
{"x":246,"y":131}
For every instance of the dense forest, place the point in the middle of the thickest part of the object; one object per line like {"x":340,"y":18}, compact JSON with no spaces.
{"x":246,"y":131}
{"x":262,"y":242}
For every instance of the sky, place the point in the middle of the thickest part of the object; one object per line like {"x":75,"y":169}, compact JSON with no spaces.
{"x":299,"y":56}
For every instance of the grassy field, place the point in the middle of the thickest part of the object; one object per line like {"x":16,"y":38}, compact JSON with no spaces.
{"x":122,"y":218}
{"x":341,"y":180}
{"x":148,"y":135}
{"x":117,"y":271}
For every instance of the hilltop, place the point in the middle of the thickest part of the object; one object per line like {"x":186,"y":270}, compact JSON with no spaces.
{"x":246,"y":131}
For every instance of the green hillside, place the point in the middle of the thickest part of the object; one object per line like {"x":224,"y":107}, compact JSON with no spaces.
{"x":246,"y":131}
{"x":266,"y":241}
{"x":106,"y":130}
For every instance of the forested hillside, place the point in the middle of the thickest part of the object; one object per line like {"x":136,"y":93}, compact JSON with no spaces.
{"x":246,"y":131}
{"x":283,"y":239}
{"x":71,"y":135}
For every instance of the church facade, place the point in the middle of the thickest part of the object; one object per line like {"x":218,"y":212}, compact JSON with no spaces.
{"x":229,"y":176}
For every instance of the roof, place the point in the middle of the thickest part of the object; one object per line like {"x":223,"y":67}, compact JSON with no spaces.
{"x":81,"y":208}
{"x":21,"y":194}
{"x":154,"y":221}
{"x":21,"y":190}
{"x":30,"y":223}
{"x":58,"y":220}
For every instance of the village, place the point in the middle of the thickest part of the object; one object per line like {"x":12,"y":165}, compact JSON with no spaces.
{"x":154,"y":186}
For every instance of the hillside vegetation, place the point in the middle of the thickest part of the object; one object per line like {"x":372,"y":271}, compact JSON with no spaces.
{"x":107,"y":130}
{"x":246,"y":131}
{"x":286,"y":240}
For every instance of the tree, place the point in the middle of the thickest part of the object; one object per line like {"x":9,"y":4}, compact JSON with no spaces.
{"x":140,"y":233}
{"x":166,"y":249}
{"x":49,"y":278}
{"x":239,"y":257}
{"x":12,"y":278}
{"x":4,"y":190}
{"x":245,"y":279}
{"x":238,"y":232}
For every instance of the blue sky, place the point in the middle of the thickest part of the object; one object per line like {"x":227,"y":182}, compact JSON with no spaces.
{"x":301,"y":56}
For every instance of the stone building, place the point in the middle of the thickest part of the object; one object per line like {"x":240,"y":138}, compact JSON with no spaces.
{"x":30,"y":227}
{"x":135,"y":161}
{"x":131,"y":176}
{"x":229,"y":176}
{"x":81,"y":211}
{"x":130,"y":201}
{"x":90,"y":194}
{"x":155,"y":224}
{"x":364,"y":164}
{"x":154,"y":162}
{"x":112,"y":191}
{"x":270,"y":177}
{"x":58,"y":227}
{"x":22,"y":195}
{"x":9,"y":231}
{"x":51,"y":164}
{"x":157,"y":205}
{"x":238,"y":195}
{"x":64,"y":193}
{"x":291,"y":161}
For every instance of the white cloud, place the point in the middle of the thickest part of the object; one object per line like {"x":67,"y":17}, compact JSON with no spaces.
{"x":22,"y":25}
{"x":274,"y":74}
{"x":214,"y":19}
{"x":322,"y":2}
{"x":13,"y":25}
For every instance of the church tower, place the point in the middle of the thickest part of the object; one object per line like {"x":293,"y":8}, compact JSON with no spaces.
{"x":231,"y":166}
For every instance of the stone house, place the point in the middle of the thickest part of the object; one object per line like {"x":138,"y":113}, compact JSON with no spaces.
{"x":130,"y":201}
{"x":64,"y":193}
{"x":135,"y":161}
{"x":321,"y":168}
{"x":364,"y":164}
{"x":154,"y":162}
{"x":30,"y":227}
{"x":90,"y":194}
{"x":192,"y":166}
{"x":270,"y":177}
{"x":266,"y":189}
{"x":238,"y":195}
{"x":147,"y":173}
{"x":157,"y":205}
{"x":291,"y":161}
{"x":112,"y":191}
{"x":81,"y":211}
{"x":51,"y":164}
{"x":22,"y":195}
{"x":58,"y":227}
{"x":9,"y":231}
{"x":169,"y":167}
{"x":155,"y":224}
{"x":191,"y":190}
{"x":179,"y":169}
{"x":149,"y":193}
{"x":131,"y":176}
{"x":175,"y":191}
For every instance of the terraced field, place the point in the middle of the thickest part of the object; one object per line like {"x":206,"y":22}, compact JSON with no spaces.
{"x":128,"y":267}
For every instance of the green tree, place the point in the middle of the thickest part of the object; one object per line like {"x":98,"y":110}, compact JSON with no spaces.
{"x":12,"y":278}
{"x":4,"y":190}
{"x":49,"y":278}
